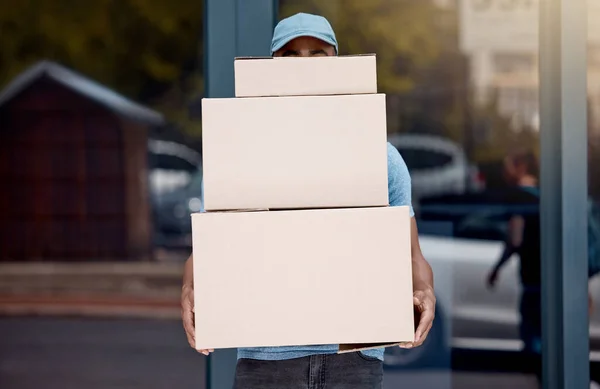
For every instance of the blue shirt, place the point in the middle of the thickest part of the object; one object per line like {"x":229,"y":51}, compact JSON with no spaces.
{"x":399,"y":189}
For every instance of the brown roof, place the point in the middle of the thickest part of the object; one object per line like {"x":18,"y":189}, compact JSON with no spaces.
{"x":83,"y":86}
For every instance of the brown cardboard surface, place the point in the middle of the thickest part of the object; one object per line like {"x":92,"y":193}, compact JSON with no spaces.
{"x":289,"y":278}
{"x":297,"y":76}
{"x":294,"y":152}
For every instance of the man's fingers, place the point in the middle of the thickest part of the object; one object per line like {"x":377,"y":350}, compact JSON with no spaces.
{"x":425,"y":325}
{"x":426,"y":319}
{"x":424,"y":302}
{"x":188,"y":325}
{"x":423,"y":335}
{"x":187,"y":314}
{"x":417,"y":301}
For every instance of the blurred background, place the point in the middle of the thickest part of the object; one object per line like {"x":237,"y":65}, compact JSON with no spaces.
{"x":101,"y":164}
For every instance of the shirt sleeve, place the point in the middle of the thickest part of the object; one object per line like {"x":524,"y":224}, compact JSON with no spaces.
{"x":399,"y":184}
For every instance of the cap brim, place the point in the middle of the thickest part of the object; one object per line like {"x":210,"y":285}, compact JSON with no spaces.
{"x":298,"y":34}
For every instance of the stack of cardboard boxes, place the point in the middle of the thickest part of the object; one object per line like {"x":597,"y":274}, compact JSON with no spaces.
{"x":298,"y":245}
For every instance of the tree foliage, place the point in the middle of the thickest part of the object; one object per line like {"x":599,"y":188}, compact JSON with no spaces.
{"x":421,"y":66}
{"x":402,"y":33}
{"x":137,"y":47}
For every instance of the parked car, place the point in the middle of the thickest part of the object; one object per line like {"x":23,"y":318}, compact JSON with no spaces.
{"x":470,"y":315}
{"x":175,"y":173}
{"x":172,"y":212}
{"x":437,"y":165}
{"x":171,"y":165}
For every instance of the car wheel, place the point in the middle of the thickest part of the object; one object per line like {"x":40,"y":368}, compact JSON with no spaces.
{"x":433,"y":352}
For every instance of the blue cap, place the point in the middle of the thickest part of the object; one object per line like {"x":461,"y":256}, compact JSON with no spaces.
{"x":302,"y":24}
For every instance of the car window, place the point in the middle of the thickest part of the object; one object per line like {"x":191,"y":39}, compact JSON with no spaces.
{"x":170,"y":162}
{"x":195,"y":185}
{"x":424,"y":159}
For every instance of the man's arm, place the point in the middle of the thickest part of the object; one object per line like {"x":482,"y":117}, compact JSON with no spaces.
{"x":424,"y":296}
{"x":422,"y":273}
{"x":187,"y":293}
{"x":188,"y":273}
{"x":400,"y":193}
{"x":187,"y":301}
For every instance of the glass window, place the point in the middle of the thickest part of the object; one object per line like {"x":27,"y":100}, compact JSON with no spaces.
{"x":421,"y":159}
{"x":593,"y":88}
{"x":461,"y":83}
{"x":512,"y":63}
{"x":97,"y":130}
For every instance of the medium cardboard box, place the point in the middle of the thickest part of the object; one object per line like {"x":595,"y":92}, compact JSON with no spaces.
{"x":288,"y":278}
{"x":296,"y":76}
{"x":294,"y":152}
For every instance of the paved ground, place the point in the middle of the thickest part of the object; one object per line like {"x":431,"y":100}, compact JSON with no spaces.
{"x":96,"y":353}
{"x":97,"y":326}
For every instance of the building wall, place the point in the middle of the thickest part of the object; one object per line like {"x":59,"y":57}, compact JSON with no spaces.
{"x":137,"y":189}
{"x":67,"y":165}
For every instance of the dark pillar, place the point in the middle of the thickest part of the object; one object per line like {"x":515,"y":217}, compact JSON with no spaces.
{"x":233,"y":28}
{"x":563,"y":90}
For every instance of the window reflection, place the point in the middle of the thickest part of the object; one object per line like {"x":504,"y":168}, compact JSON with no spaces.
{"x":462,"y":92}
{"x":96,"y":129}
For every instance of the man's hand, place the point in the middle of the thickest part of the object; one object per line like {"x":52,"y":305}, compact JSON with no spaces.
{"x":424,"y":301}
{"x":425,"y":308}
{"x":423,"y":295}
{"x":187,"y":315}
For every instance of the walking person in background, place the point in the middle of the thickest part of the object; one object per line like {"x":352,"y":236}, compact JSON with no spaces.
{"x":523,"y":238}
{"x":319,"y":366}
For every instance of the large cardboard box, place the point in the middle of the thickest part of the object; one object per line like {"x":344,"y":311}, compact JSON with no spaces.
{"x":294,"y":152}
{"x":287,"y":278}
{"x":297,"y":76}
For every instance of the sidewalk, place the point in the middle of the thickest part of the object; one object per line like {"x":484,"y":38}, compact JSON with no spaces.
{"x":91,"y":289}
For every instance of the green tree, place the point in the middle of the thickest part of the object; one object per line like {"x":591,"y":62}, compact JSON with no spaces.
{"x":402,"y":33}
{"x":140,"y":48}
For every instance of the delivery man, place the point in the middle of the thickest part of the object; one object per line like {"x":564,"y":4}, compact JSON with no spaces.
{"x":319,"y":366}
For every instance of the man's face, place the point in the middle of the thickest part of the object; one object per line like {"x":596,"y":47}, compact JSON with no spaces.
{"x":306,"y":47}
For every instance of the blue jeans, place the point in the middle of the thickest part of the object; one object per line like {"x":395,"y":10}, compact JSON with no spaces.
{"x":334,"y":371}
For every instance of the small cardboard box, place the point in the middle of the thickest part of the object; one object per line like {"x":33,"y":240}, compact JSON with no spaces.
{"x":310,"y":277}
{"x":296,"y":76}
{"x":294,"y":152}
